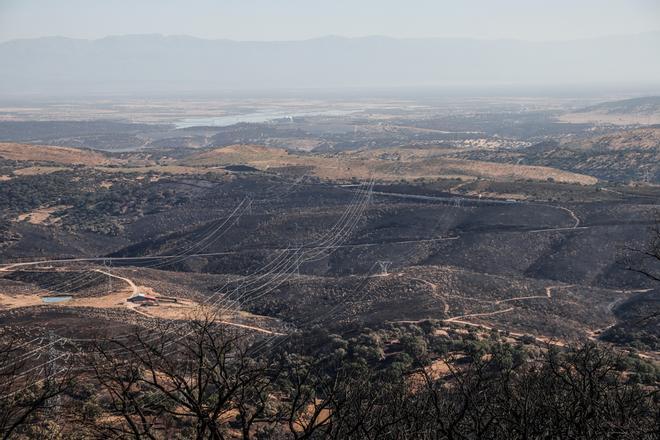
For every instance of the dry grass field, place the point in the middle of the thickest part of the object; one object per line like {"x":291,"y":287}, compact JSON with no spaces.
{"x":43,"y":153}
{"x":382,"y":164}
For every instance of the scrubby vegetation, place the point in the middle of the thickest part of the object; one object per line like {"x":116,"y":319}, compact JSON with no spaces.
{"x":90,"y":205}
{"x":396,"y":382}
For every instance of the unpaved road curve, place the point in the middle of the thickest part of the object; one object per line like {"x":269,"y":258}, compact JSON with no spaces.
{"x":574,"y":217}
{"x":135,"y":289}
{"x":520,"y":298}
{"x":251,"y":327}
{"x":593,"y":334}
{"x":434,"y":290}
{"x":127,"y":280}
{"x":572,"y":214}
{"x":475,"y":315}
{"x":548,"y":294}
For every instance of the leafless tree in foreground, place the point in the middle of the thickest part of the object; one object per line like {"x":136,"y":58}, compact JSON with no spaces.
{"x":197,"y":381}
{"x":577,"y":394}
{"x":648,"y":261}
{"x":202,"y":381}
{"x":30,"y":386}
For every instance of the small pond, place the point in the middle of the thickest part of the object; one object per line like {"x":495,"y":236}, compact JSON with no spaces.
{"x":55,"y":299}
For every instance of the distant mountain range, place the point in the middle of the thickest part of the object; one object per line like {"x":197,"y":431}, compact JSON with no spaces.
{"x":156,"y":63}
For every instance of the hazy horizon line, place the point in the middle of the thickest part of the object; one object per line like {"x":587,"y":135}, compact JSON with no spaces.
{"x":329,"y":36}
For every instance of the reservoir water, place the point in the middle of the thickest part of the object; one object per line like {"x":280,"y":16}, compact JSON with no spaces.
{"x":55,"y":299}
{"x":255,"y":117}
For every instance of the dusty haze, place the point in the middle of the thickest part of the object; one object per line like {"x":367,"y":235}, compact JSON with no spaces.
{"x":156,"y":63}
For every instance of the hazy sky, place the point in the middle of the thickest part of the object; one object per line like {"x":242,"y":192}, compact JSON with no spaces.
{"x":301,"y":19}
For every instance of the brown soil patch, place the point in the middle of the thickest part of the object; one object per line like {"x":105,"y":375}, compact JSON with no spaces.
{"x":305,"y":419}
{"x":492,"y":195}
{"x":42,"y":215}
{"x":17,"y":301}
{"x":436,"y":370}
{"x":115,"y":299}
{"x":63,"y":155}
{"x":172,"y":169}
{"x":33,"y":171}
{"x":240,"y":154}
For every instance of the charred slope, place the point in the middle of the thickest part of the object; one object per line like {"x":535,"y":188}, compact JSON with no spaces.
{"x":533,"y":240}
{"x":638,"y":322}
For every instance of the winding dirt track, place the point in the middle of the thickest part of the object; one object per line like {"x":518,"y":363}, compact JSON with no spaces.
{"x":434,"y":291}
{"x":572,"y":214}
{"x":135,"y":289}
{"x":473,"y":315}
{"x":548,"y":294}
{"x":251,"y":327}
{"x":128,"y":280}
